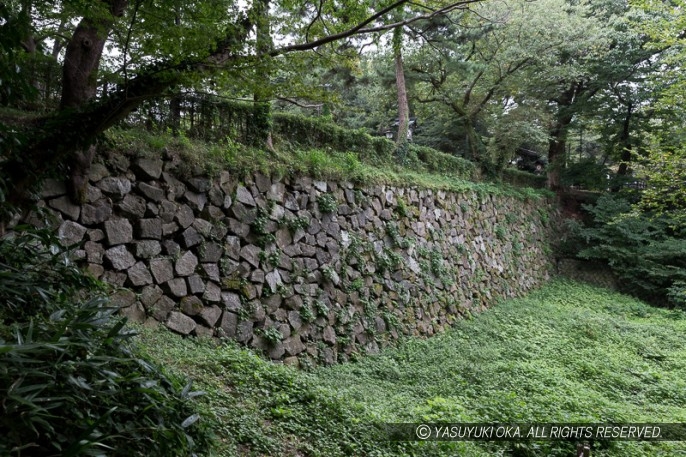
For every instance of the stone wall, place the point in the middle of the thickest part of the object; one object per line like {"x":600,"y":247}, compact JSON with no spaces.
{"x":307,"y":271}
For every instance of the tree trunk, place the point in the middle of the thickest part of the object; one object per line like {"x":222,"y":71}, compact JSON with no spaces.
{"x":175,"y":114}
{"x":625,"y":142}
{"x":557,"y":151}
{"x":79,"y":83}
{"x":403,"y":107}
{"x":262,"y":97}
{"x":557,"y":146}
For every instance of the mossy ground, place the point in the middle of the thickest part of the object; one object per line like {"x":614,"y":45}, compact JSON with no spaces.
{"x":566,"y":353}
{"x":200,"y":157}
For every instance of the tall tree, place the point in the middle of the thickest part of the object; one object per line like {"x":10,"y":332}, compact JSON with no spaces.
{"x":216,"y":37}
{"x":80,"y":79}
{"x":403,"y":105}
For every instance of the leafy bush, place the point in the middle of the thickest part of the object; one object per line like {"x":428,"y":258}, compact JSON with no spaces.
{"x":648,"y":254}
{"x":587,"y":174}
{"x":439,"y":162}
{"x":313,"y":132}
{"x":523,"y":178}
{"x":72,"y":383}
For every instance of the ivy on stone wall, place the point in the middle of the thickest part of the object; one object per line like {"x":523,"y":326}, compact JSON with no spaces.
{"x":332,"y":268}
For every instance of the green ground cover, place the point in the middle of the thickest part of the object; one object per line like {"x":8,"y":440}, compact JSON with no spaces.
{"x":566,"y":353}
{"x":422,"y":167}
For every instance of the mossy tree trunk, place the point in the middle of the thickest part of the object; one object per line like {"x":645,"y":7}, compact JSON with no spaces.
{"x":79,"y":83}
{"x":403,"y":106}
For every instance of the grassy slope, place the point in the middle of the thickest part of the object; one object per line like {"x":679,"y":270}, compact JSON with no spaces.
{"x":566,"y":353}
{"x":199,"y":157}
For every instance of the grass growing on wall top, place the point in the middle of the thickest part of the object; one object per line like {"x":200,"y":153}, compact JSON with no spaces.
{"x":422,"y":167}
{"x":566,"y":353}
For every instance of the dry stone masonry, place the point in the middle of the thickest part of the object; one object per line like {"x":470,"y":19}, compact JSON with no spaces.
{"x":307,"y":271}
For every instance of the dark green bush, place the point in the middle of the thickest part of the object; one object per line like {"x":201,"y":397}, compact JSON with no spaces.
{"x":586,"y":174}
{"x":320,"y":133}
{"x":648,"y":254}
{"x":521,"y":178}
{"x":436,"y":161}
{"x":71,"y":381}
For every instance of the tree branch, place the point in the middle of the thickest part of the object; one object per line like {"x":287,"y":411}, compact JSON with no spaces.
{"x":360,"y":29}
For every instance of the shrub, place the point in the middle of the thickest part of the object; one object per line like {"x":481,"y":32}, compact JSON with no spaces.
{"x":314,"y":132}
{"x":523,"y":178}
{"x":72,"y":383}
{"x":439,"y":162}
{"x":648,"y":254}
{"x":587,"y":174}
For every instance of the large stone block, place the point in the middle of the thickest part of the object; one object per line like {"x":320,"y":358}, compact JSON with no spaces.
{"x":186,"y":264}
{"x":195,"y":284}
{"x":211,"y":252}
{"x":148,"y":168}
{"x":150,"y":229}
{"x":210,"y":315}
{"x":180,"y":323}
{"x":231,"y":301}
{"x":213,"y":293}
{"x":114,"y":187}
{"x":162,"y":270}
{"x":151,"y":192}
{"x":139,"y":275}
{"x":184,"y":216}
{"x":190,"y":237}
{"x":118,"y":231}
{"x":71,"y":233}
{"x":162,"y":307}
{"x":191,"y":305}
{"x":251,"y":254}
{"x":65,"y":206}
{"x":177,"y":287}
{"x":149,"y":295}
{"x":132,"y":206}
{"x":293,"y":345}
{"x":244,"y":196}
{"x":229,"y":324}
{"x":120,"y":258}
{"x":147,"y":249}
{"x":96,"y":213}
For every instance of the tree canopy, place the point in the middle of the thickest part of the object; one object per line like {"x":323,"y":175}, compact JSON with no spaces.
{"x":484,"y":78}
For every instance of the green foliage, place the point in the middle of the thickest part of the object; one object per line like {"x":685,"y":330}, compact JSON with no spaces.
{"x":311,"y":132}
{"x":521,"y":178}
{"x":197,"y":157}
{"x":306,"y":313}
{"x":533,"y":359}
{"x":327,"y":203}
{"x":272,"y":335}
{"x":646,"y":253}
{"x":72,"y":381}
{"x":321,"y":308}
{"x":586,"y":174}
{"x":438,"y":162}
{"x":295,"y":223}
{"x":37,"y":276}
{"x":664,"y":170}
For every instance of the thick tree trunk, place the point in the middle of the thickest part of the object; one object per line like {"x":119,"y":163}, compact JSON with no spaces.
{"x":625,"y":142}
{"x":79,"y":83}
{"x":557,"y":145}
{"x":175,"y":114}
{"x":557,"y":151}
{"x":403,"y":106}
{"x":263,"y":95}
